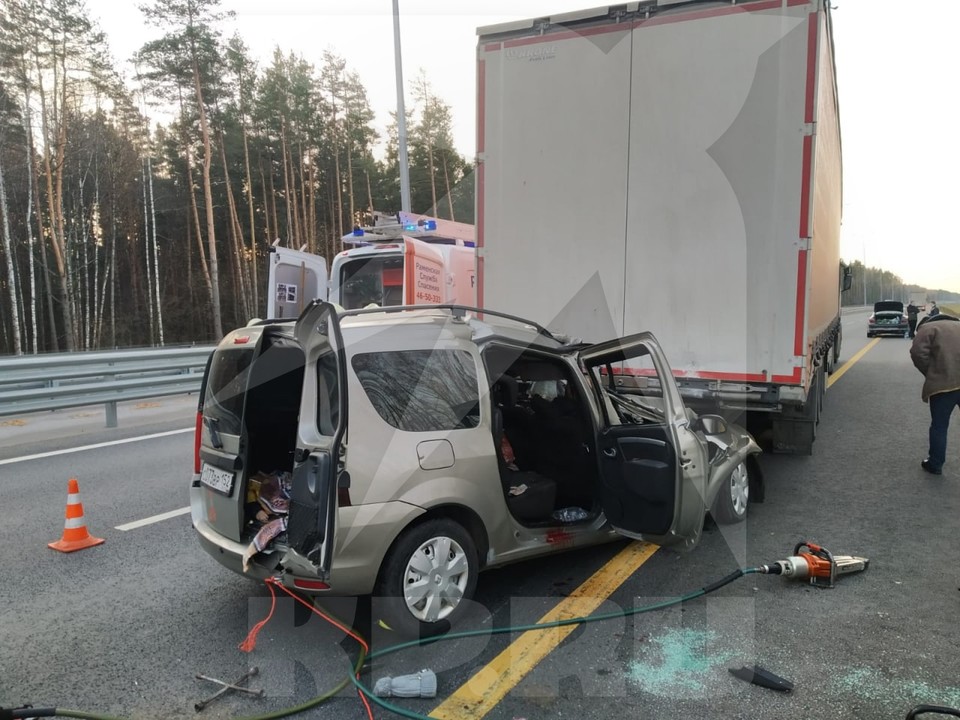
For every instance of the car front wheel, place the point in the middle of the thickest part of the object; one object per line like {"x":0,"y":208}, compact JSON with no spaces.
{"x":427,"y":576}
{"x":731,"y":503}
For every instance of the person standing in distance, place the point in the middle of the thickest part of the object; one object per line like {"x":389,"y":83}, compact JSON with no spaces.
{"x":936,"y":353}
{"x":913,"y":312}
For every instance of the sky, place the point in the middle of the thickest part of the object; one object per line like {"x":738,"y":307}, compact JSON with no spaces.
{"x":897,"y":79}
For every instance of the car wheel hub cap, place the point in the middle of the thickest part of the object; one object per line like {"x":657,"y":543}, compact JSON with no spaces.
{"x":740,"y":489}
{"x":435,"y":579}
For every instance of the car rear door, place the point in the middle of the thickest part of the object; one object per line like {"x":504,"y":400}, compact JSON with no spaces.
{"x":223,"y":443}
{"x":653,"y":469}
{"x":318,"y":461}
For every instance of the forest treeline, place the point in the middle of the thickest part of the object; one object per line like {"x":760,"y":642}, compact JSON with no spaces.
{"x":869,"y":285}
{"x":121,"y":231}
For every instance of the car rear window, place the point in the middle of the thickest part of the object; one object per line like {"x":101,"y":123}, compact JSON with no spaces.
{"x":422,"y":390}
{"x":226,"y":387}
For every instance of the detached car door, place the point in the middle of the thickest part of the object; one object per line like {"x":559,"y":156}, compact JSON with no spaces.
{"x":653,"y":469}
{"x":318,"y":462}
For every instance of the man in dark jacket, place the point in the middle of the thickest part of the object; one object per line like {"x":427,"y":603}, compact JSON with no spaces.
{"x":913,"y":312}
{"x":936,"y":353}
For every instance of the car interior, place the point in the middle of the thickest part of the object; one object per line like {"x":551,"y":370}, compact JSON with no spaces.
{"x":272,"y":408}
{"x":543,"y":437}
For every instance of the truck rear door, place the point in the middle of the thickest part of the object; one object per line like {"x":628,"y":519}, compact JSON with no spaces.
{"x":653,"y":469}
{"x":295,"y":279}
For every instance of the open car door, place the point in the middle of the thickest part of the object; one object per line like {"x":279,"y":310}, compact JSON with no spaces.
{"x":295,"y":279}
{"x":318,"y":462}
{"x":653,"y":469}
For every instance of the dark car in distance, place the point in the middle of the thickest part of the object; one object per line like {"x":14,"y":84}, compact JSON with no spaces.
{"x":888,"y":318}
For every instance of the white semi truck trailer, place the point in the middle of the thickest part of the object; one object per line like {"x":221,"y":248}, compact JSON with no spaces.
{"x":673,"y":167}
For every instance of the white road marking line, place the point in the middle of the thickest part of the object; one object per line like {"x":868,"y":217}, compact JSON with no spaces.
{"x":155,"y":519}
{"x":67,"y":451}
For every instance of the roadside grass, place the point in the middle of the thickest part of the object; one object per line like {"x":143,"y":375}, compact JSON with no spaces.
{"x":951,"y":309}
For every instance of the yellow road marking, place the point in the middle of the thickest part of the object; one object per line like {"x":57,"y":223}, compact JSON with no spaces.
{"x":838,"y":373}
{"x":481,"y":693}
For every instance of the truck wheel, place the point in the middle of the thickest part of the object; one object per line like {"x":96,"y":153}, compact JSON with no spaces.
{"x":821,"y":391}
{"x":426,"y":577}
{"x":730,"y":505}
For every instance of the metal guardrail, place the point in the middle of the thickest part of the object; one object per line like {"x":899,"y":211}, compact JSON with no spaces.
{"x":55,"y":381}
{"x":850,"y":309}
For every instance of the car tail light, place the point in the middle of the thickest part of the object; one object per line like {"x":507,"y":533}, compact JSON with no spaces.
{"x":196,"y":442}
{"x":310,"y":584}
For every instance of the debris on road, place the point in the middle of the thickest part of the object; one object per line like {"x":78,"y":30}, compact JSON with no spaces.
{"x":764,"y":678}
{"x":422,"y":684}
{"x":227,"y":687}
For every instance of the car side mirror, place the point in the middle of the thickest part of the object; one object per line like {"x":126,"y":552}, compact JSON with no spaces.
{"x":710,"y":424}
{"x":847,"y":278}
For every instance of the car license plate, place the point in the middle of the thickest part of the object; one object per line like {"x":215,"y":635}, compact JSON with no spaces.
{"x":219,"y":480}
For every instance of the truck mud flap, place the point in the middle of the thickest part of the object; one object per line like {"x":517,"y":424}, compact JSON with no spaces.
{"x":795,"y":429}
{"x":794,"y":437}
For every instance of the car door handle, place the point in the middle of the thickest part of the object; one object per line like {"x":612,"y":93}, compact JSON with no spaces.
{"x":610,"y":452}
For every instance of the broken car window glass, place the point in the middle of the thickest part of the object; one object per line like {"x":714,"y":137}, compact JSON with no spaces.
{"x":422,"y":390}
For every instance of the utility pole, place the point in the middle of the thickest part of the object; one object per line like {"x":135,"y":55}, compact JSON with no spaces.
{"x":401,"y":114}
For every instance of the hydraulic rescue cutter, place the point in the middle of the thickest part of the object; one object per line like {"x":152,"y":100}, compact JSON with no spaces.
{"x":817,"y":564}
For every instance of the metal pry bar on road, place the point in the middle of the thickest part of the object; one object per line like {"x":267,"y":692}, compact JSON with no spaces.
{"x":249,"y":691}
{"x":227,"y":687}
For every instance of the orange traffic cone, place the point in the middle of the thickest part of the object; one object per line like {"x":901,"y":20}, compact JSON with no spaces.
{"x":75,"y":535}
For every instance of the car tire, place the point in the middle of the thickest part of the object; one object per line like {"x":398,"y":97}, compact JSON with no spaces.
{"x":730,"y":505}
{"x":413,"y":557}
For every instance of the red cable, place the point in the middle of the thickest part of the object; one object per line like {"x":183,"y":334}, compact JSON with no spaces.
{"x":250,"y":641}
{"x":363,"y":643}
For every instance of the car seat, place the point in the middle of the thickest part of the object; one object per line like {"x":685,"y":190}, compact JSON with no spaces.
{"x":562,"y":438}
{"x":537,"y":501}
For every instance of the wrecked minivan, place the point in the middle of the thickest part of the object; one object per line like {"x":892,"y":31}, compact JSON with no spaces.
{"x":399,"y":451}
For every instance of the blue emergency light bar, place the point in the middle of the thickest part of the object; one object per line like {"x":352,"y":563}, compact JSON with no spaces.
{"x":383,"y":231}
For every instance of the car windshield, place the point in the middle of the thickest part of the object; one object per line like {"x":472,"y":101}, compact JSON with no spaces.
{"x":372,"y":279}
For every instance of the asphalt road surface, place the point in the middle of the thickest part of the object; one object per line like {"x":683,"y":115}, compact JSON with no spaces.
{"x":123,"y":628}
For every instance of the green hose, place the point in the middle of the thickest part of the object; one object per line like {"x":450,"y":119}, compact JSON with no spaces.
{"x":283,"y":712}
{"x":397,"y":710}
{"x":363,"y":658}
